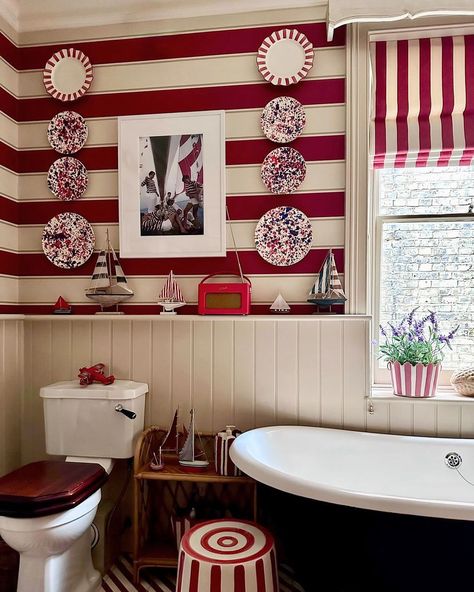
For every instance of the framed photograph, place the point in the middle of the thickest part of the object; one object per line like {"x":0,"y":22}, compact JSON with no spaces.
{"x":172,"y":185}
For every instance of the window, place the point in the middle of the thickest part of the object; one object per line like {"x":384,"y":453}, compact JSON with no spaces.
{"x":424,"y":245}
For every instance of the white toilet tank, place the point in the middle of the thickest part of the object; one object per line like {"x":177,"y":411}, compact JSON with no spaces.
{"x":83,"y":421}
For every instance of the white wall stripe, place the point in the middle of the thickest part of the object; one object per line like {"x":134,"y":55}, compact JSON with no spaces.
{"x":245,"y":179}
{"x":240,"y":124}
{"x":45,"y":290}
{"x":218,"y":70}
{"x":326,"y":232}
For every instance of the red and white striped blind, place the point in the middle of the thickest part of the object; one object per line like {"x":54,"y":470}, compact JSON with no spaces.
{"x":422,"y":102}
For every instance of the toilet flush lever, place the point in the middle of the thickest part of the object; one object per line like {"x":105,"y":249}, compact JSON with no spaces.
{"x":126,"y":412}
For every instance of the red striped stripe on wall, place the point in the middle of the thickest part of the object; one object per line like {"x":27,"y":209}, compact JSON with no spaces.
{"x":238,"y":152}
{"x":36,"y":265}
{"x":103,"y":211}
{"x":163,"y":47}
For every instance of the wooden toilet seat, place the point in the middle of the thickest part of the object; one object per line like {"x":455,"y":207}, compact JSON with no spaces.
{"x":48,"y":487}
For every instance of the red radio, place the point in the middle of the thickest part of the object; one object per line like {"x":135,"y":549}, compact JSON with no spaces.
{"x":225,"y":297}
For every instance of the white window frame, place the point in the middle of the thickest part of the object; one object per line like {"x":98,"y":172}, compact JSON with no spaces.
{"x":361,"y":259}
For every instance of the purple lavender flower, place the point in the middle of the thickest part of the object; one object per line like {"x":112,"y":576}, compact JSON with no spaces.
{"x":382,"y":330}
{"x":410,"y":316}
{"x":433,"y":321}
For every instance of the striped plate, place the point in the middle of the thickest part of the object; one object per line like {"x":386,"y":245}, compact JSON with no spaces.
{"x":67,"y":74}
{"x":285,"y":57}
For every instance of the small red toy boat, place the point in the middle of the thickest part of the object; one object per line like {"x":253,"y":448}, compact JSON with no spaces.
{"x":94,"y":374}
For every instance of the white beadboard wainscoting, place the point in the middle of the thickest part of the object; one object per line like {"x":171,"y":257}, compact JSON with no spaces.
{"x":11,"y":385}
{"x":249,"y":371}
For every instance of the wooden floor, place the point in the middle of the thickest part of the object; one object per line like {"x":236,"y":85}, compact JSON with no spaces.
{"x":119,"y":579}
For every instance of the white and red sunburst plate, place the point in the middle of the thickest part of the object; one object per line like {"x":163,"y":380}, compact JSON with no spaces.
{"x":285,"y":57}
{"x":67,"y":75}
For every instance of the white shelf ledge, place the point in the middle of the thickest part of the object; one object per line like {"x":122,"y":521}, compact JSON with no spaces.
{"x":443,"y":395}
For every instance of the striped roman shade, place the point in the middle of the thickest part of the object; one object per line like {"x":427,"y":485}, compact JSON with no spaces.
{"x":422,"y":102}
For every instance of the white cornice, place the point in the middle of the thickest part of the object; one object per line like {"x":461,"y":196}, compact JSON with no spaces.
{"x":9,"y":10}
{"x":41,"y":15}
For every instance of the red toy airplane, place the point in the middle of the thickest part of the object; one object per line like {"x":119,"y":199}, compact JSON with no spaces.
{"x":94,"y":374}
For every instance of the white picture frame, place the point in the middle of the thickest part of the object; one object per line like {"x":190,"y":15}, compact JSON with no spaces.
{"x":148,"y":228}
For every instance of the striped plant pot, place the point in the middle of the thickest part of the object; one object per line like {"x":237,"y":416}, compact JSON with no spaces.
{"x":414,"y":381}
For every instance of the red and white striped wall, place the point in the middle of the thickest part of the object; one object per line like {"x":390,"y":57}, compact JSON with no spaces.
{"x":164,"y":67}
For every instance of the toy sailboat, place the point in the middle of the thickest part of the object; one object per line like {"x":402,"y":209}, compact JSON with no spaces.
{"x":327,"y":289}
{"x":62,"y":306}
{"x":108,"y":284}
{"x":192,"y":456}
{"x":170,"y":296}
{"x":280,"y":305}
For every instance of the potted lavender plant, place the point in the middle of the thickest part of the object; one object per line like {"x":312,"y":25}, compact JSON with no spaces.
{"x":413,"y":351}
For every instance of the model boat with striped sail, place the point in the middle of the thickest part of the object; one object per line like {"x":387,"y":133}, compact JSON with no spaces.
{"x":108,"y":284}
{"x":327,"y":289}
{"x":191,"y":455}
{"x":170,"y":296}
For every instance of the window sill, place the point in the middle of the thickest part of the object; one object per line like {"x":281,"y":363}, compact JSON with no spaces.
{"x":444,"y":394}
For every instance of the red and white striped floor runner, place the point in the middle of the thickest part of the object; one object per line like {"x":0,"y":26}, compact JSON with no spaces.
{"x":119,"y":579}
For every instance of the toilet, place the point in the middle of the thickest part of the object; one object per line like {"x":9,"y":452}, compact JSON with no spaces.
{"x":47,"y":507}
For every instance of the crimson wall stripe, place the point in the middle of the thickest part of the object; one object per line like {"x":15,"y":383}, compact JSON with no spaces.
{"x":243,"y":96}
{"x":425,"y":103}
{"x":37,"y":265}
{"x":314,"y":205}
{"x":468,"y":115}
{"x":238,"y":152}
{"x":380,"y":102}
{"x":10,"y":105}
{"x":10,"y":52}
{"x":9,"y":263}
{"x":176,"y":45}
{"x":9,"y":210}
{"x":447,"y":78}
{"x":402,"y":100}
{"x":95,"y":211}
{"x":102,"y":211}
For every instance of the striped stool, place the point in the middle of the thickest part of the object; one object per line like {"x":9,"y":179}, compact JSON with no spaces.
{"x":227,"y":556}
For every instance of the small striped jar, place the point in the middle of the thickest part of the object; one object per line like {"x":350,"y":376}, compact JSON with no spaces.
{"x":414,"y":381}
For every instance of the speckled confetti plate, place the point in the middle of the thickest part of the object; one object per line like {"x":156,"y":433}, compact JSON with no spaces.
{"x":67,"y":74}
{"x":283,"y":236}
{"x":67,"y":132}
{"x":68,"y":240}
{"x":283,"y":170}
{"x":67,"y":178}
{"x":285,"y":57}
{"x":283,"y":119}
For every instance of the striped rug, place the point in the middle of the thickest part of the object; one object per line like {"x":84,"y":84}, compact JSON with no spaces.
{"x":119,"y":579}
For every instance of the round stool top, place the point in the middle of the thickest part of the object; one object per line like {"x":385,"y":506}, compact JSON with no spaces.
{"x":227,"y":541}
{"x":48,"y":487}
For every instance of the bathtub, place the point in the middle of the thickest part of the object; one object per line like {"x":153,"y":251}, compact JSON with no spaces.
{"x":401,"y":474}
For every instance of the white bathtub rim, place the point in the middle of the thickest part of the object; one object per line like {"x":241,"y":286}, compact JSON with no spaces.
{"x":273,"y":477}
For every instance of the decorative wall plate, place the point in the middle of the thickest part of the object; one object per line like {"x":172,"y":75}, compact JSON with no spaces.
{"x":285,"y":57}
{"x":283,"y":119}
{"x":68,"y":240}
{"x":283,"y":236}
{"x":67,"y":74}
{"x":67,"y":132}
{"x":283,"y":170}
{"x":67,"y":178}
